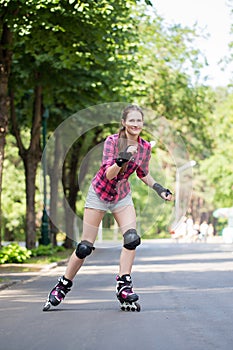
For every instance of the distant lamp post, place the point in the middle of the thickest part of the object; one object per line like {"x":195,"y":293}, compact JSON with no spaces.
{"x":45,"y":240}
{"x":179,"y":170}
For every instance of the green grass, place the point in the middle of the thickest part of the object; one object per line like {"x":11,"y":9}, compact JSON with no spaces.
{"x":45,"y":259}
{"x":15,"y":254}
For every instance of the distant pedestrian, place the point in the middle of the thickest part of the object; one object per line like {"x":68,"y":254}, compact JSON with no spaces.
{"x":203,"y":231}
{"x":210,"y":231}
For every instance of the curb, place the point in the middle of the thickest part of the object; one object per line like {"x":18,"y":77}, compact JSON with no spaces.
{"x":46,"y":268}
{"x":4,"y":285}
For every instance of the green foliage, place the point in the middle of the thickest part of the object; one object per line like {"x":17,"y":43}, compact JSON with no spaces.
{"x":171,"y":65}
{"x":72,"y":49}
{"x":13,"y":195}
{"x":13,"y":253}
{"x":218,"y":167}
{"x":68,"y":55}
{"x":86,"y":52}
{"x":46,"y":250}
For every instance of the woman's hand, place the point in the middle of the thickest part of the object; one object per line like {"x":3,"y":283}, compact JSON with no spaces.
{"x":166,"y":195}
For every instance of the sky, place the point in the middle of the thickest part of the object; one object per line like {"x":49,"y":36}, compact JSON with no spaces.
{"x":214,"y":16}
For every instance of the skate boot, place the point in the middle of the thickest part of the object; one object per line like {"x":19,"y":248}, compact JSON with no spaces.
{"x":58,"y":293}
{"x":125,"y":294}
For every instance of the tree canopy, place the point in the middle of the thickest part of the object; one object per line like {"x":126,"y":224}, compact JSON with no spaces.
{"x":64,"y":56}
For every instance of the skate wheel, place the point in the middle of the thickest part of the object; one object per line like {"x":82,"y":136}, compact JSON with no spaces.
{"x":128,"y":308}
{"x":47,"y":306}
{"x":138,"y":307}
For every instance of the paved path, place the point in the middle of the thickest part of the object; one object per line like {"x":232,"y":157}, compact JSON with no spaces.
{"x":186,"y":295}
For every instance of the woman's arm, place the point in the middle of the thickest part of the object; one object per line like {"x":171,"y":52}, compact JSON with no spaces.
{"x":114,"y":169}
{"x":148,"y":180}
{"x":162,"y":192}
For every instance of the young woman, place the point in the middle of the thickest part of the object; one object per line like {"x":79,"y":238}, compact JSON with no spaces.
{"x":123,"y":154}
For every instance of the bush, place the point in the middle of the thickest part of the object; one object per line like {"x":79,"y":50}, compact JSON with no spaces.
{"x":13,"y":253}
{"x":46,"y":250}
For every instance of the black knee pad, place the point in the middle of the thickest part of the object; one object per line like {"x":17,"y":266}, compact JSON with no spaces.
{"x":84,"y":249}
{"x":131,"y":239}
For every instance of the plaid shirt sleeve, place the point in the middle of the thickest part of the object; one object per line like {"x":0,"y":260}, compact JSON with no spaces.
{"x":109,"y":152}
{"x":145,"y":155}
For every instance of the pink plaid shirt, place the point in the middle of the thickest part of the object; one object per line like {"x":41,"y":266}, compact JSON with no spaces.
{"x":117,"y":188}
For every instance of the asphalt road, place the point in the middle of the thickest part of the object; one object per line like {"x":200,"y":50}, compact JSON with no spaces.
{"x":186,"y":297}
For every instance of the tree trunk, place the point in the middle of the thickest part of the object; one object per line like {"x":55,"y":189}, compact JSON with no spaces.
{"x":5,"y":64}
{"x":31,"y":158}
{"x":71,"y":180}
{"x":30,"y":165}
{"x":71,"y":195}
{"x":69,"y":222}
{"x":54,"y":179}
{"x":3,"y":127}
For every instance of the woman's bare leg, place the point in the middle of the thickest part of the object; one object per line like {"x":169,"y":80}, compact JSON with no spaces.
{"x":126,"y":219}
{"x":91,"y":222}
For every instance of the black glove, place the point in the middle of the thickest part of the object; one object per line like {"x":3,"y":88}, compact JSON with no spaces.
{"x":123,"y":158}
{"x":160,"y":189}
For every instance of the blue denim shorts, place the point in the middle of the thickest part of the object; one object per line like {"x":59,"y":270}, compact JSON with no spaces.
{"x":94,"y":202}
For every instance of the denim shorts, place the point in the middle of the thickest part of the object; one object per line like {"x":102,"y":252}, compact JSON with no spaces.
{"x":94,"y":202}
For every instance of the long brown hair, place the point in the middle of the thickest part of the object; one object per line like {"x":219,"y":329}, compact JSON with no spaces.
{"x":122,"y":141}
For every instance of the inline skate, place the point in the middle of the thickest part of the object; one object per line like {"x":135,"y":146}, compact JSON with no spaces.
{"x":124,"y":292}
{"x":58,"y":293}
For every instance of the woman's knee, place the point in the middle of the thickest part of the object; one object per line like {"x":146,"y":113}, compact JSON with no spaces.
{"x":131,"y":239}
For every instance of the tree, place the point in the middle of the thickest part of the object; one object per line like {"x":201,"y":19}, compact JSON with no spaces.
{"x":72,"y":177}
{"x":63,"y":51}
{"x":218,"y":167}
{"x":5,"y":66}
{"x":171,"y":66}
{"x":13,"y":194}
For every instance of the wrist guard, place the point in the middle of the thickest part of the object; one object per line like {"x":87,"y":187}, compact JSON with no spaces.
{"x":123,"y":158}
{"x":160,"y":189}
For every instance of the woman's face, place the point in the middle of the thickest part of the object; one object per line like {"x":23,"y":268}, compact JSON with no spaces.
{"x":133,"y":123}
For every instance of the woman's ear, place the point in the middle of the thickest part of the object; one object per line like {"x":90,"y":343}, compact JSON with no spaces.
{"x":122,"y":122}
